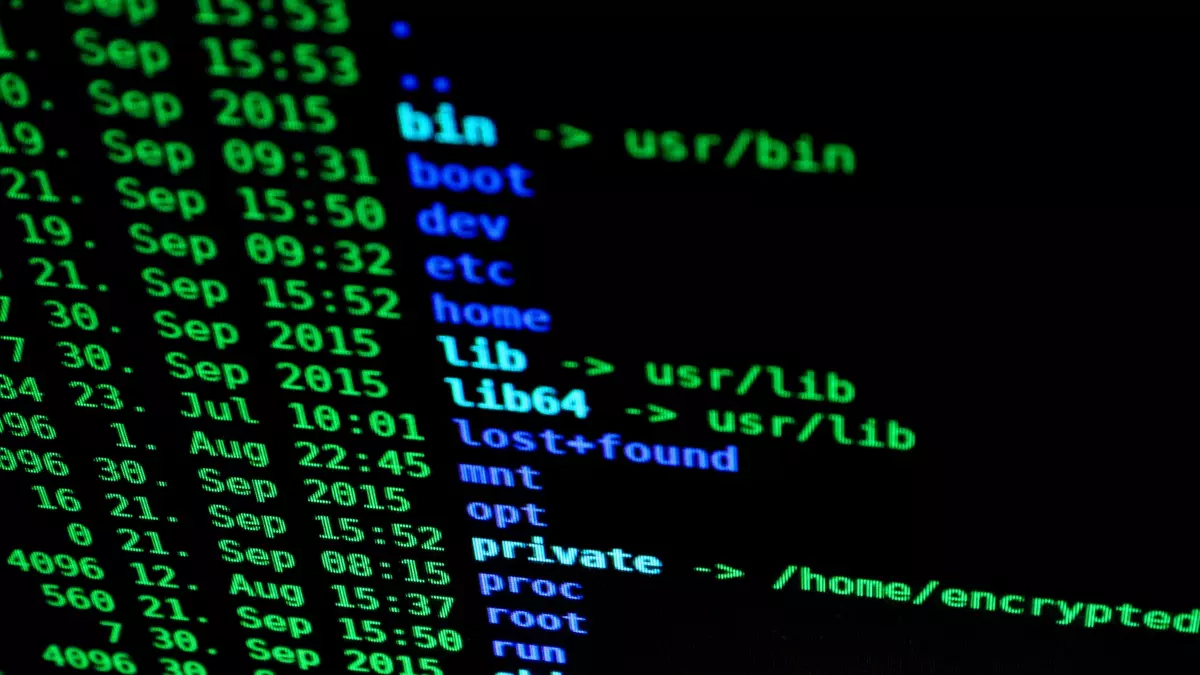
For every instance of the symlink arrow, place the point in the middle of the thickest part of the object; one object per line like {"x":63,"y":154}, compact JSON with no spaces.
{"x":571,"y":137}
{"x":594,"y":366}
{"x":723,"y":572}
{"x":657,"y":413}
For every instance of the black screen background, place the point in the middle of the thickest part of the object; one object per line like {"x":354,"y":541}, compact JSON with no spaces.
{"x":1008,"y":274}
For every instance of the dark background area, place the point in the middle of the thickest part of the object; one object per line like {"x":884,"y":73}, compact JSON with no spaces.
{"x":1008,"y":274}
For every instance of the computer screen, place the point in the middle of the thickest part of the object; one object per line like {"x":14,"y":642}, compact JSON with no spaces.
{"x":342,"y":337}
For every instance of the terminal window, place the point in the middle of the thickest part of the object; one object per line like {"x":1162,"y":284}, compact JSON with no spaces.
{"x":341,"y":338}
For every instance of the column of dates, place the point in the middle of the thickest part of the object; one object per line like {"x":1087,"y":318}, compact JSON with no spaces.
{"x":134,"y":87}
{"x":318,"y":238}
{"x":273,"y":617}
